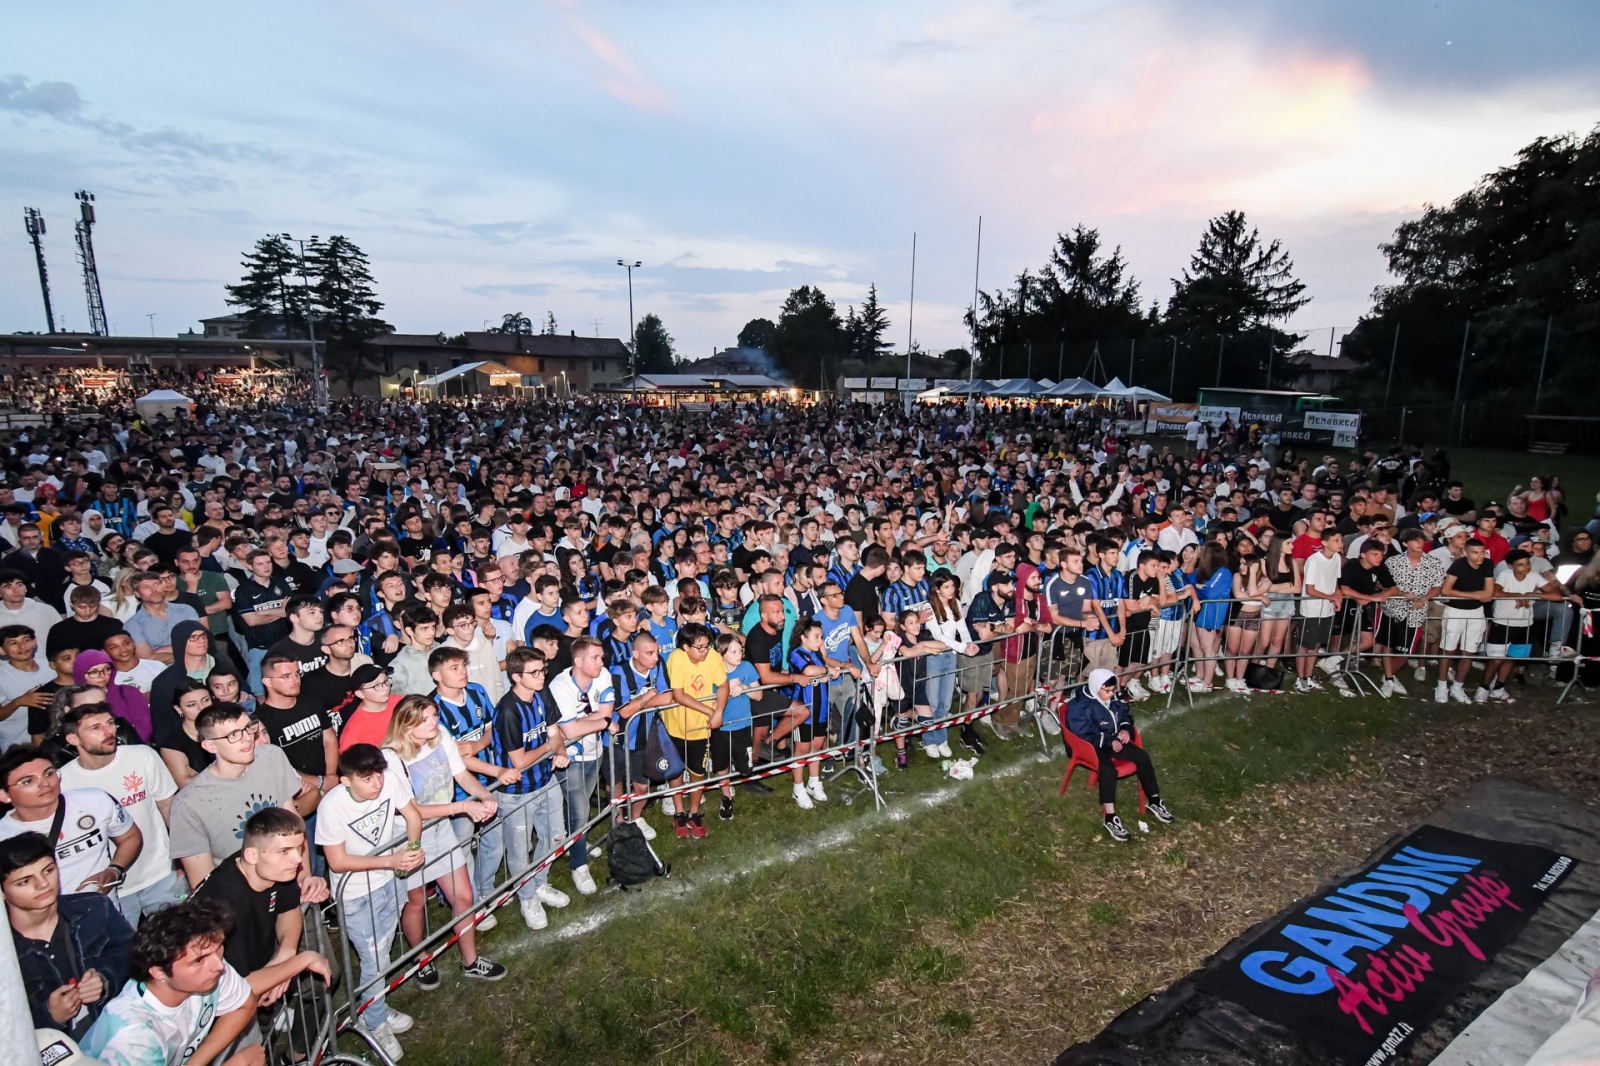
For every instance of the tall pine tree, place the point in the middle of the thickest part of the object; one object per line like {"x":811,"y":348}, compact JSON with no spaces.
{"x":270,"y":297}
{"x":654,"y":350}
{"x":347,"y":307}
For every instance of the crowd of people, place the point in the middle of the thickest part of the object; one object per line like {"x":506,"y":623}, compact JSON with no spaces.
{"x":265,"y":658}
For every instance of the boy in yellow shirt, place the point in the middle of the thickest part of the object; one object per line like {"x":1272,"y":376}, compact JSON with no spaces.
{"x":699,"y":681}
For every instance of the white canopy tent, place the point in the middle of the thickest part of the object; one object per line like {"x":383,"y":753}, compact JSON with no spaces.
{"x":163,"y":403}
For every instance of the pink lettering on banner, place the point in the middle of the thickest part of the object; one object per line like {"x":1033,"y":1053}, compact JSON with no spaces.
{"x":1451,"y":924}
{"x":1392,"y":976}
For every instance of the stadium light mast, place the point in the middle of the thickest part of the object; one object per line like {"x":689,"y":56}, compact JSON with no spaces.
{"x":91,"y":273}
{"x":34,"y":222}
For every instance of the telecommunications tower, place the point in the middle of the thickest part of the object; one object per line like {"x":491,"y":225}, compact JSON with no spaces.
{"x":34,"y":222}
{"x":91,"y":275}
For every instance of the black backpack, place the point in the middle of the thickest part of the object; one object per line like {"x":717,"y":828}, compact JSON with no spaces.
{"x":1261,"y":677}
{"x":630,"y":859}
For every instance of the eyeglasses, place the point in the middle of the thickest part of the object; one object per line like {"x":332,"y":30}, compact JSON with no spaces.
{"x":102,"y":669}
{"x":534,"y":671}
{"x":49,"y":774}
{"x":377,"y":682}
{"x":238,"y":735}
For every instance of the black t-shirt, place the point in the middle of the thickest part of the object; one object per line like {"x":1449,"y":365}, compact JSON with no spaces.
{"x":299,"y":576}
{"x":85,"y":636}
{"x":309,"y":657}
{"x":1456,"y":508}
{"x":1139,"y":588}
{"x":1359,"y":579}
{"x":298,"y":731}
{"x":168,"y":545}
{"x":253,"y":939}
{"x":861,"y":596}
{"x":763,"y":647}
{"x":417,"y":549}
{"x":1469,"y":579}
{"x":175,"y":739}
{"x":336,"y":695}
{"x":1283,"y":521}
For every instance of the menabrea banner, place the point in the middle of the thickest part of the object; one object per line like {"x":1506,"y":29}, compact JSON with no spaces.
{"x":1361,"y":967}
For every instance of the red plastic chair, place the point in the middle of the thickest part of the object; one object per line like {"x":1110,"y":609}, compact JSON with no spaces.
{"x":1082,"y":754}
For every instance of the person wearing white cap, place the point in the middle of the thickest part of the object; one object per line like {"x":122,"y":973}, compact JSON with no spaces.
{"x":1105,"y":722}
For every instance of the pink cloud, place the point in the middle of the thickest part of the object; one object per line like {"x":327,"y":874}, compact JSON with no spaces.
{"x":622,"y":77}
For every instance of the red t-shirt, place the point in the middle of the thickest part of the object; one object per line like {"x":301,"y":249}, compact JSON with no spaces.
{"x":368,"y":727}
{"x":1305,"y":546}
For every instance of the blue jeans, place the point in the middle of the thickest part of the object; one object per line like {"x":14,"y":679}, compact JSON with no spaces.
{"x":941,"y":686}
{"x":370,"y":923}
{"x":164,"y":893}
{"x":1558,"y":616}
{"x":842,"y":696}
{"x":252,"y":658}
{"x":577,"y":786}
{"x":523,"y":819}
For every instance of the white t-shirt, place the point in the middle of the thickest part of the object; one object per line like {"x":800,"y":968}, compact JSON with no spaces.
{"x":363,"y":827}
{"x":1506,"y":612}
{"x":139,"y":1030}
{"x":432,"y":774}
{"x":1321,"y":573}
{"x":137,"y":779}
{"x":569,"y":700}
{"x":85,"y":846}
{"x":38,"y":617}
{"x":14,"y":683}
{"x":141,"y":676}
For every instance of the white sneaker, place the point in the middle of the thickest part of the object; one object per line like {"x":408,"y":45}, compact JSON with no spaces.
{"x":1441,"y":693}
{"x":1481,"y":695}
{"x":484,"y":926}
{"x":668,"y":807}
{"x":802,"y":798}
{"x":1137,"y":691}
{"x":1236,"y":685}
{"x":384,"y":1037}
{"x":1396,"y":686}
{"x":399,"y":1021}
{"x":1218,"y":671}
{"x":932,"y":750}
{"x":583,"y":880}
{"x":944,"y":751}
{"x":1459,"y":694}
{"x":1196,"y":685}
{"x":1567,"y":651}
{"x":1421,"y":674}
{"x":552,"y":896}
{"x":533,"y":914}
{"x":1330,"y":665}
{"x":646,"y":830}
{"x":1312,"y":684}
{"x":1386,"y":690}
{"x":814,"y":789}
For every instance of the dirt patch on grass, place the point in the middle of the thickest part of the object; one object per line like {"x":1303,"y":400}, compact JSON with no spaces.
{"x":1060,"y":962}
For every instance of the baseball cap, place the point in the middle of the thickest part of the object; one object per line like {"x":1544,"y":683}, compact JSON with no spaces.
{"x":365,"y":674}
{"x":1001,"y":577}
{"x":346,"y":566}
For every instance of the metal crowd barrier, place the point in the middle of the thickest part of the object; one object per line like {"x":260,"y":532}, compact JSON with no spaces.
{"x":1046,"y":677}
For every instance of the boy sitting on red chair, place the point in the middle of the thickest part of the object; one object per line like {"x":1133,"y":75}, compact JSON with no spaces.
{"x":1104,"y":722}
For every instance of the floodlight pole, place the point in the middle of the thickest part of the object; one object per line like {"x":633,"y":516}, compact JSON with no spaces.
{"x":911,"y":317}
{"x":1461,"y":369}
{"x":633,"y":340}
{"x":972,"y":363}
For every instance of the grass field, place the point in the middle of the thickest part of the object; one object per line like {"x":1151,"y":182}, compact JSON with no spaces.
{"x":770,"y":933}
{"x":1491,"y":474}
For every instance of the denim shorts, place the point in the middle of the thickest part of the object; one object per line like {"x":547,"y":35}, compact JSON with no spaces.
{"x":1279,"y":605}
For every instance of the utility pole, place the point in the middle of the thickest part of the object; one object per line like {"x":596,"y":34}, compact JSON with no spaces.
{"x":1461,"y":369}
{"x":911,"y":315}
{"x":1133,"y":346}
{"x":1220,"y":342}
{"x":34,"y":222}
{"x":1538,"y":390}
{"x":1394,"y":350}
{"x":150,"y":316}
{"x":1172,"y":373}
{"x":319,"y":384}
{"x":633,"y":341}
{"x":977,"y":261}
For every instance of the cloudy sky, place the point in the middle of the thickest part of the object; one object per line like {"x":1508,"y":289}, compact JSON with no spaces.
{"x":495,"y":157}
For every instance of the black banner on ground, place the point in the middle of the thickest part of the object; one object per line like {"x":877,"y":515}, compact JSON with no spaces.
{"x":1361,"y":967}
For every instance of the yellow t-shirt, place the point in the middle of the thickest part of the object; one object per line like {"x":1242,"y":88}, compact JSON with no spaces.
{"x":699,"y":680}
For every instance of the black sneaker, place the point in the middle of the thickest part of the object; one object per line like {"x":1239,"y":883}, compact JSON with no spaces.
{"x":1115,"y":827}
{"x":829,"y":767}
{"x":427,"y":977}
{"x":971,"y":740}
{"x":725,"y":811}
{"x":756,"y":788}
{"x":1159,"y":809}
{"x":484,"y":970}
